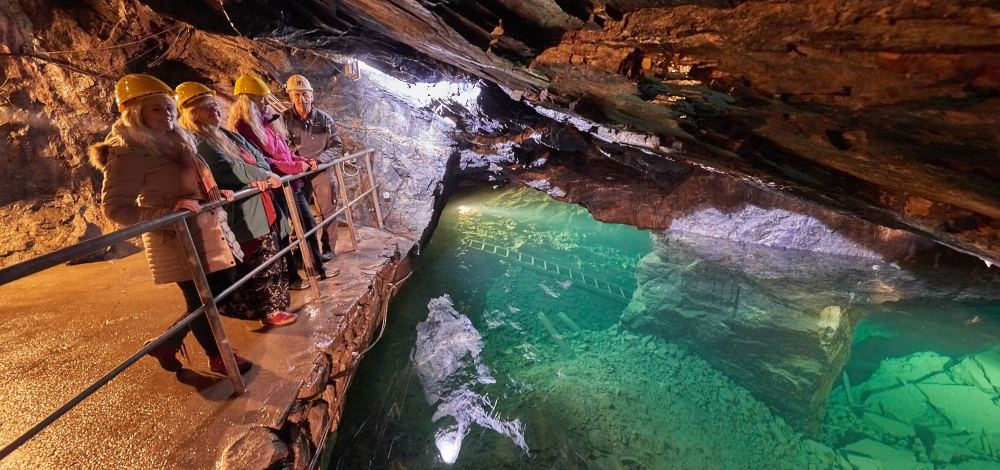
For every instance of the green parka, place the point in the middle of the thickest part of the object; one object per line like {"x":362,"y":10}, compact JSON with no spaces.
{"x":247,"y":217}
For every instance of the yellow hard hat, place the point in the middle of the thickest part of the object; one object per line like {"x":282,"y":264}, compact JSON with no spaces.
{"x":137,"y":85}
{"x":189,"y":90}
{"x":297,"y":82}
{"x":251,"y":85}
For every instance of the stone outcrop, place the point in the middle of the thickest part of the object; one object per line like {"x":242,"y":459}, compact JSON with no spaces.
{"x":777,"y":319}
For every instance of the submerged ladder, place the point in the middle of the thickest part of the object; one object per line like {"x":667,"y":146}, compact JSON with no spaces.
{"x":593,"y":282}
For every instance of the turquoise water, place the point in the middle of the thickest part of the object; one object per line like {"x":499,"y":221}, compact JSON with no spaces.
{"x":532,"y":337}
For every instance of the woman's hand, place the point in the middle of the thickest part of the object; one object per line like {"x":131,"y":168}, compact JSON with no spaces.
{"x":229,"y":195}
{"x":260,"y":185}
{"x":305,"y":166}
{"x":187,"y":205}
{"x":312,"y":165}
{"x":274,"y":180}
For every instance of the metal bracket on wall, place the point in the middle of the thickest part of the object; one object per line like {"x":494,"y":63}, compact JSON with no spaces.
{"x":352,"y":70}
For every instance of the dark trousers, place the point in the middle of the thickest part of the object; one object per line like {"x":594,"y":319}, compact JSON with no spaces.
{"x":218,"y":282}
{"x":308,"y":223}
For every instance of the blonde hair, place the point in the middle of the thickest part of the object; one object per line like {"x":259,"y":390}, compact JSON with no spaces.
{"x":178,"y":141}
{"x":245,"y":110}
{"x":212,"y":134}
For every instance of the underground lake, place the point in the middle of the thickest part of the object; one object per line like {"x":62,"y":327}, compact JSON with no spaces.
{"x":533,"y":337}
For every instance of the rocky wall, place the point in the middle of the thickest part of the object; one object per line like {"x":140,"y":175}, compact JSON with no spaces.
{"x":60,"y":66}
{"x":412,"y":149}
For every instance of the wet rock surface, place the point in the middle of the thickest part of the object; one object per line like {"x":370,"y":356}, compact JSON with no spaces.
{"x":78,"y":322}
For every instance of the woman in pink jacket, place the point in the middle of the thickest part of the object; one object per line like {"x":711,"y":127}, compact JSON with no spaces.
{"x":249,"y":118}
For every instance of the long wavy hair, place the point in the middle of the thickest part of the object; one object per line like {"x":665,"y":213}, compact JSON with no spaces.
{"x":245,"y":110}
{"x":178,"y":143}
{"x":189,"y":120}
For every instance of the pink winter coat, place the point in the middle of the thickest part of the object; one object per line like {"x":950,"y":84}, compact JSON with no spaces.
{"x":275,"y":150}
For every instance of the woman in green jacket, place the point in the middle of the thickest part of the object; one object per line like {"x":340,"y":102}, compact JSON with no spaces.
{"x":236,"y":165}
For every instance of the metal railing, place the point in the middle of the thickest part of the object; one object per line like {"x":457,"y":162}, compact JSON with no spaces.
{"x":179,"y":221}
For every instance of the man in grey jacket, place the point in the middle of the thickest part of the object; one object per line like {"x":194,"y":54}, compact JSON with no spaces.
{"x":313,"y":134}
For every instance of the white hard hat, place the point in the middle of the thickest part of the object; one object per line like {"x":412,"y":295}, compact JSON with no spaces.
{"x":297,"y":82}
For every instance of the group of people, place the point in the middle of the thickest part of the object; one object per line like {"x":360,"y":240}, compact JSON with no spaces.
{"x":169,"y":152}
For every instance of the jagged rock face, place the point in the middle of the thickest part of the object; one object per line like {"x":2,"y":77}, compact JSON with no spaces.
{"x":883,"y":110}
{"x":57,"y":103}
{"x":779,"y":321}
{"x":412,"y":149}
{"x":878,"y":110}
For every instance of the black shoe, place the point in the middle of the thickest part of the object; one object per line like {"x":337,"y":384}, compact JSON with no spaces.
{"x":166,"y":355}
{"x":328,"y":256}
{"x":327,"y":273}
{"x":301,"y":284}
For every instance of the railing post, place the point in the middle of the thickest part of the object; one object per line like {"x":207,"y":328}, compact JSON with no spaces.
{"x":371,"y":181}
{"x":211,"y":311}
{"x":312,"y":271}
{"x":347,"y":205}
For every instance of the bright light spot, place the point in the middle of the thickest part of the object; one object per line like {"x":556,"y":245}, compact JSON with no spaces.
{"x":421,"y":94}
{"x":449,"y":442}
{"x":463,"y":210}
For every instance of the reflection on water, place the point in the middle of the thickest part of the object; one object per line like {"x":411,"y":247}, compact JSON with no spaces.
{"x":533,"y":337}
{"x":450,"y":371}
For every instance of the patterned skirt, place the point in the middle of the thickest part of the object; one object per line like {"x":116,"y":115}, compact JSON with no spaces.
{"x":266,"y":292}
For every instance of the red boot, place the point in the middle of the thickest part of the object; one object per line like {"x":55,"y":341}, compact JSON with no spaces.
{"x":219,"y":367}
{"x":280,"y":318}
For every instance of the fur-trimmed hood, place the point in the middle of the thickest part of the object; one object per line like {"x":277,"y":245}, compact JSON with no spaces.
{"x":100,"y":152}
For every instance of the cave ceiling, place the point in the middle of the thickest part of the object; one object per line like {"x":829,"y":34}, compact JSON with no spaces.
{"x":882,"y":110}
{"x":885,"y":110}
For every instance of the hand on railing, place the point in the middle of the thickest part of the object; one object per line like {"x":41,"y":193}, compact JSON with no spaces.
{"x":273,"y":180}
{"x":261,"y":185}
{"x":188,"y":205}
{"x":228,"y":194}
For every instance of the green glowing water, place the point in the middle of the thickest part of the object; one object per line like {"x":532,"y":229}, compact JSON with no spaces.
{"x":605,"y":398}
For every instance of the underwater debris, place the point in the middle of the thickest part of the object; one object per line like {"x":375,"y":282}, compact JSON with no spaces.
{"x":552,"y":332}
{"x":945,"y":407}
{"x":569,"y":322}
{"x":548,"y":291}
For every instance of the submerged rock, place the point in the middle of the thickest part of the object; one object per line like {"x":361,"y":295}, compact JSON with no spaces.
{"x":872,"y":455}
{"x":966,"y":408}
{"x":780,"y":322}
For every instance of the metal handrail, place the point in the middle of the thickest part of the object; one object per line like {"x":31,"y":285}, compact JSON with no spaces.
{"x":35,"y":265}
{"x":72,"y":252}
